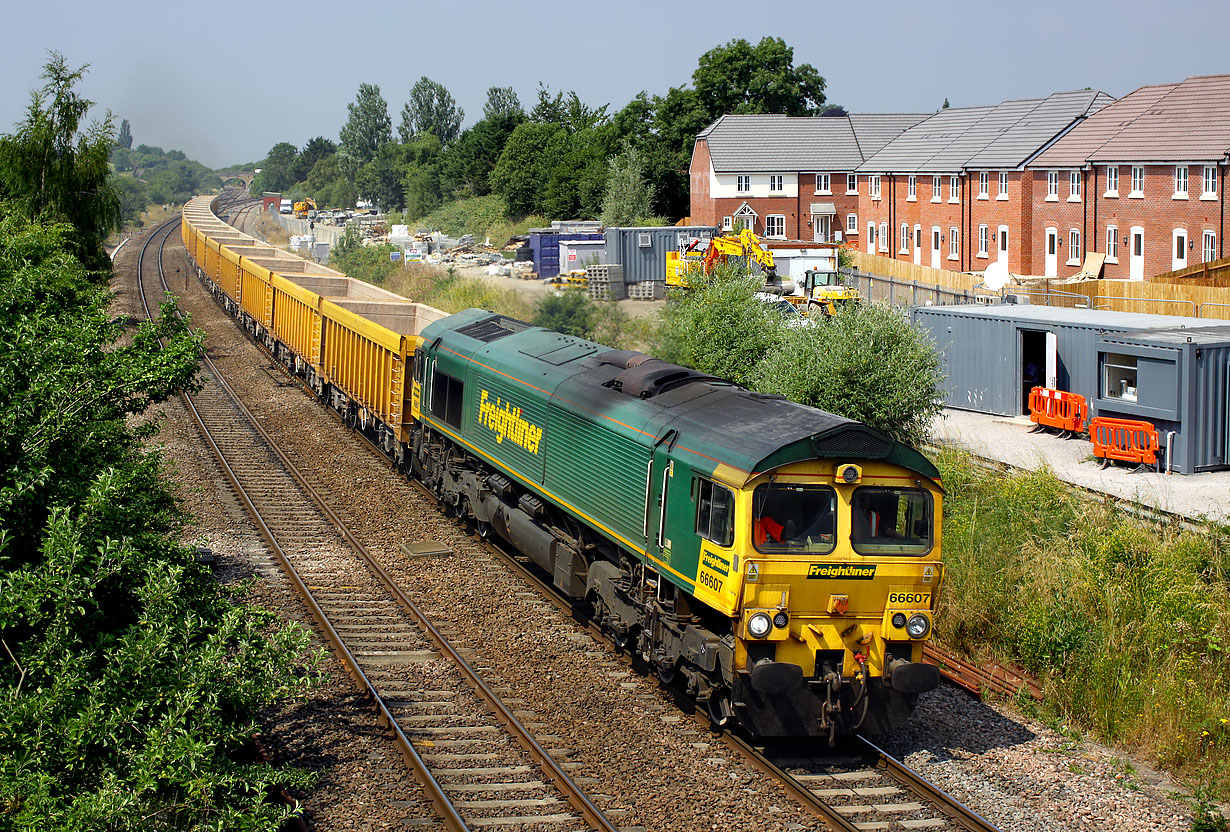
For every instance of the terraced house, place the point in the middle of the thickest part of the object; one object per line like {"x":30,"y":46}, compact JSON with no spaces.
{"x":1142,"y":182}
{"x":787,"y":177}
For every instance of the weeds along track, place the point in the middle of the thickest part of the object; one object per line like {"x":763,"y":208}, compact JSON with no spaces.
{"x":477,"y":763}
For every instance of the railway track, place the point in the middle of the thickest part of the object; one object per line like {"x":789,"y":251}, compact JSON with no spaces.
{"x":478,"y":764}
{"x":860,"y":789}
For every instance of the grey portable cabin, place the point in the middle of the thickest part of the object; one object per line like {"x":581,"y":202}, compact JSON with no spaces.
{"x":993,"y":355}
{"x":1178,"y":379}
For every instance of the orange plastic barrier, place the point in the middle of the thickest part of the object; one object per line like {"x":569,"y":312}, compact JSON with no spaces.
{"x":1058,"y":409}
{"x":1124,"y":439}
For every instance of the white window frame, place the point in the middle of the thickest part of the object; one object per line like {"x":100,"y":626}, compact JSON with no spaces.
{"x":883,"y":237}
{"x":1003,"y":185}
{"x":937,"y":188}
{"x":1138,"y":182}
{"x":823,"y":184}
{"x":905,"y":239}
{"x":1175,"y":262}
{"x":984,"y":238}
{"x":1112,"y":244}
{"x":1052,"y":186}
{"x":743,"y":183}
{"x":777,"y":183}
{"x":1209,"y":182}
{"x":873,"y":187}
{"x":851,"y":184}
{"x":728,"y":223}
{"x":851,"y":224}
{"x":769,"y":218}
{"x":912,"y":189}
{"x":954,"y":244}
{"x":954,"y":186}
{"x":984,"y":184}
{"x":1112,"y":181}
{"x":1208,"y":246}
{"x":1074,"y":247}
{"x":1074,"y":186}
{"x":1181,"y":175}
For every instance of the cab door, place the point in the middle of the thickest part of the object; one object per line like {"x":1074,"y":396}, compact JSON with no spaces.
{"x":657,"y":495}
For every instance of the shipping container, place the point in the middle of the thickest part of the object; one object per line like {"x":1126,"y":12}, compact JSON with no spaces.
{"x":642,"y":251}
{"x":544,"y":243}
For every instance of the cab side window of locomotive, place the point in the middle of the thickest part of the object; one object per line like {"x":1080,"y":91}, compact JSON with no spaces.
{"x":446,"y":398}
{"x":795,"y":519}
{"x":891,"y":521}
{"x":715,"y":512}
{"x":419,"y":370}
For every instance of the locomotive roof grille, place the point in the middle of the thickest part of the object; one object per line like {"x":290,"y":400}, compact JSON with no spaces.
{"x":493,"y":328}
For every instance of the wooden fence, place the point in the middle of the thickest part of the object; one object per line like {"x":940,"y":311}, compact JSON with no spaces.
{"x":1216,"y":273}
{"x":909,"y":273}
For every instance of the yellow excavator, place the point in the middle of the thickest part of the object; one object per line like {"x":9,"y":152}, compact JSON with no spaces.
{"x":303,"y":206}
{"x":693,"y":258}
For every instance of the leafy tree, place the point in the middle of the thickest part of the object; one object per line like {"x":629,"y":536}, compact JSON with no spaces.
{"x":315,"y":150}
{"x":367,"y":128}
{"x":568,"y":111}
{"x":466,"y":165}
{"x":524,"y":167}
{"x":133,"y":198}
{"x":329,"y":186}
{"x":54,"y":168}
{"x":502,"y":102}
{"x":866,"y":363}
{"x":570,"y":312}
{"x":124,"y":139}
{"x":278,"y":169}
{"x":741,"y":78}
{"x":628,"y":198}
{"x":945,"y":105}
{"x":430,"y":110}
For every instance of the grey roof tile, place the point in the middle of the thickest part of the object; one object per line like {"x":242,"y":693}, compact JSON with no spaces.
{"x":770,"y":143}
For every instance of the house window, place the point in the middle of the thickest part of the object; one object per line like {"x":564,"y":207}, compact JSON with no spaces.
{"x":775,"y":182}
{"x":851,"y":223}
{"x":983,"y":184}
{"x":715,"y":512}
{"x":1180,"y":182}
{"x":1119,"y":376}
{"x":883,"y":235}
{"x":1074,"y":186}
{"x":743,"y":183}
{"x":775,"y":225}
{"x":937,"y":184}
{"x":873,"y":187}
{"x":954,"y":252}
{"x":1210,"y":182}
{"x":822,"y":183}
{"x":727,"y":224}
{"x":1003,"y":185}
{"x":982,"y":241}
{"x":952,"y":189}
{"x":851,"y":183}
{"x":1112,"y":180}
{"x":905,"y":239}
{"x":1112,"y":244}
{"x":1074,"y":247}
{"x":1052,"y":184}
{"x":1208,"y":247}
{"x":1138,"y":181}
{"x":913,"y":188}
{"x":917,"y":237}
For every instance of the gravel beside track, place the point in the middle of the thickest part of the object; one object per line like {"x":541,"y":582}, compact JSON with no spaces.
{"x":643,"y":762}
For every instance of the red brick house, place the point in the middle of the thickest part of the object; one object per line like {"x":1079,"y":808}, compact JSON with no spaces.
{"x":954,"y":192}
{"x":786,"y":177}
{"x":1143,"y":181}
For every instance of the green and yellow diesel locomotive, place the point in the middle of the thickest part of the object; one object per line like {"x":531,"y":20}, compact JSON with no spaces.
{"x":782,"y":561}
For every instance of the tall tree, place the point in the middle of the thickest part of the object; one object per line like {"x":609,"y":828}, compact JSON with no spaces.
{"x":124,"y":139}
{"x":741,"y":78}
{"x":629,"y":198}
{"x":52,"y":167}
{"x":367,"y":127}
{"x":502,"y":102}
{"x":278,"y":169}
{"x":315,"y":150}
{"x":430,"y":109}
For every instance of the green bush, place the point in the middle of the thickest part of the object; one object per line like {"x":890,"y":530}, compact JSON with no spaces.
{"x":570,"y":312}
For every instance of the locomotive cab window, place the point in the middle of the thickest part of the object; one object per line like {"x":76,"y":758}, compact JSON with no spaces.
{"x":446,"y":398}
{"x":891,"y":521}
{"x":797,"y":519}
{"x":715,"y":513}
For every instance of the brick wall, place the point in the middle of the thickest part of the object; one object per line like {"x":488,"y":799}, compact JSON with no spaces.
{"x":702,"y":209}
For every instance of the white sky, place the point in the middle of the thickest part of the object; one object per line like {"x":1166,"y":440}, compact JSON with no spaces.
{"x":285,"y":72}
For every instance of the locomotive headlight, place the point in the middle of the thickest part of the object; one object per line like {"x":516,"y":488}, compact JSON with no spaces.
{"x":918,"y":625}
{"x":781,"y":619}
{"x":759,"y":625}
{"x":898,"y":620}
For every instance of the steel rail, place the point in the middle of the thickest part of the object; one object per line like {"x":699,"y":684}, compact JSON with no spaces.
{"x":550,"y":767}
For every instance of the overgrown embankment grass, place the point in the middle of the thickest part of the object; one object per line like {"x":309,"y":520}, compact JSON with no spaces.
{"x":1125,"y":621}
{"x":483,"y":216}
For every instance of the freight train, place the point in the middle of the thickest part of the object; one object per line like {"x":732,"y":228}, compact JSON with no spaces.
{"x":779,"y":562}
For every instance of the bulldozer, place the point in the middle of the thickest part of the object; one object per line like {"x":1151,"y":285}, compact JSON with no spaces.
{"x":824,"y":293}
{"x":303,"y":206}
